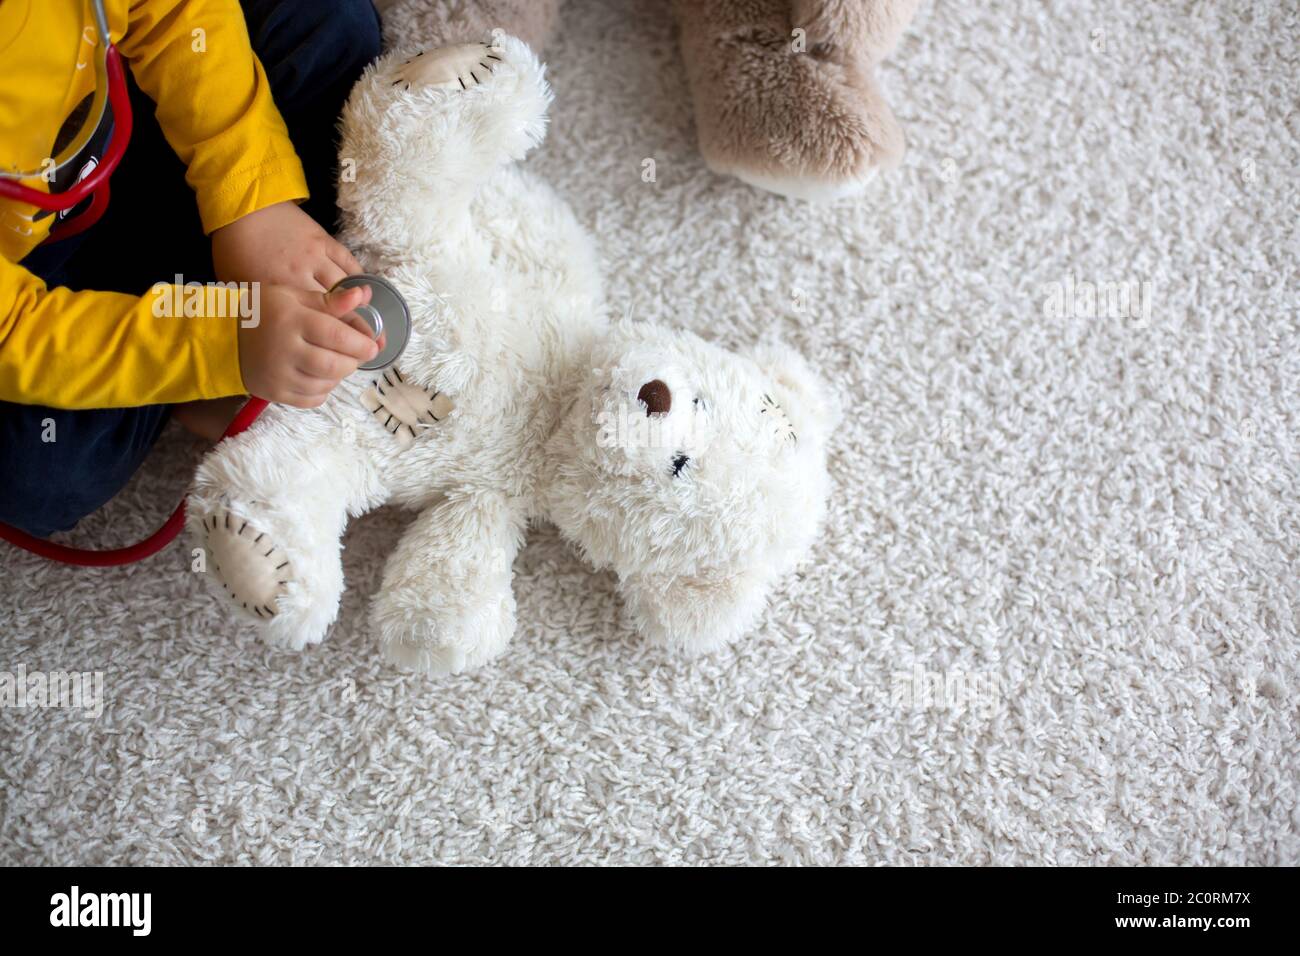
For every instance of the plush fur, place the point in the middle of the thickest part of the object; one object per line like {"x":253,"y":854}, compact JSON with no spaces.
{"x":785,"y":92}
{"x":429,"y":24}
{"x":514,"y":402}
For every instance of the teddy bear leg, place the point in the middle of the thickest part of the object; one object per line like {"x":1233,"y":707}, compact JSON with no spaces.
{"x":435,"y":23}
{"x":446,"y":604}
{"x":268,"y":513}
{"x":785,"y":93}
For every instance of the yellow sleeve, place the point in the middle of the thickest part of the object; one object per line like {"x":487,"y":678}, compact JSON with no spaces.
{"x":108,"y":350}
{"x":194,"y":58}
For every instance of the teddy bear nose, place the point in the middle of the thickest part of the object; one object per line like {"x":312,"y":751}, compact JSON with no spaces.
{"x":656,"y":397}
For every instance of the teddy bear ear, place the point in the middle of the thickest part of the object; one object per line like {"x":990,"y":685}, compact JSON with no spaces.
{"x":804,"y":394}
{"x":694,"y":613}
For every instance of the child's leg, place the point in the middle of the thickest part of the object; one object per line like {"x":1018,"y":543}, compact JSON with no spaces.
{"x":61,"y":465}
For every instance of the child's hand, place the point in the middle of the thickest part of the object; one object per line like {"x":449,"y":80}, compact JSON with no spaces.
{"x":302,"y":346}
{"x":280,"y":245}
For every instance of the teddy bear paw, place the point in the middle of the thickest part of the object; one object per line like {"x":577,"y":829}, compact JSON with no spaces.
{"x":450,"y":67}
{"x":403,"y":408}
{"x":809,"y":124}
{"x":250,"y":567}
{"x":421,"y":637}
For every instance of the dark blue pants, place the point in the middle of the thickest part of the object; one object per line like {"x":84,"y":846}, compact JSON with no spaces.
{"x":313,"y":52}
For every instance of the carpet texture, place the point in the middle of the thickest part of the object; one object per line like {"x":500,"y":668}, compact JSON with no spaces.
{"x":1053,"y":618}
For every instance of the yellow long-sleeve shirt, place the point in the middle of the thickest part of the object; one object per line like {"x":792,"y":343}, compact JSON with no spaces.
{"x":104,"y":349}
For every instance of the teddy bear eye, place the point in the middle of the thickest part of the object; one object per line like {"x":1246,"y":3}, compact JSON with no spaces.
{"x":679,"y":462}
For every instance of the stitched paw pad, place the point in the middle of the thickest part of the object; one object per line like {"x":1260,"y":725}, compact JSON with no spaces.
{"x":403,"y":408}
{"x":252,"y":570}
{"x":450,"y":67}
{"x":779,"y":420}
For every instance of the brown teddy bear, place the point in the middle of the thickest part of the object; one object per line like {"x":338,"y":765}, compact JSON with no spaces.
{"x":785,"y":93}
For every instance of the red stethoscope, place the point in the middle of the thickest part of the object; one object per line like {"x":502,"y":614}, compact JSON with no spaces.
{"x":110,"y":89}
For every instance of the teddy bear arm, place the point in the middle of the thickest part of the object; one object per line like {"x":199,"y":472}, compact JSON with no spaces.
{"x":446,"y":603}
{"x":422,"y":132}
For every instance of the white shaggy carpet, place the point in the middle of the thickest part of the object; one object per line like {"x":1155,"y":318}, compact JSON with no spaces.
{"x":1053,"y":619}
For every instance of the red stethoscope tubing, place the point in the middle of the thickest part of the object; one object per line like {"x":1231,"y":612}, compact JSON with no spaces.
{"x":122,"y":124}
{"x":90,"y":558}
{"x":97,"y":184}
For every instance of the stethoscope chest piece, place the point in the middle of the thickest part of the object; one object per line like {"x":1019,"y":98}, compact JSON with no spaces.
{"x":387,"y":314}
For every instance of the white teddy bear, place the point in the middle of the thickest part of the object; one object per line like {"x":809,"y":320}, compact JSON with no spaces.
{"x":697,"y":475}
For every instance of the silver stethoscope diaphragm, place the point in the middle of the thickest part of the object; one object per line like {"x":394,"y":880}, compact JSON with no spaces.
{"x":385,"y":314}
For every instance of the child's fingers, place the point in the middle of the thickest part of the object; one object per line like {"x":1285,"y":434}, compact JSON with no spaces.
{"x":324,"y":364}
{"x":328,"y":273}
{"x":344,"y":259}
{"x":360,"y":324}
{"x":305,"y":380}
{"x":357,"y":323}
{"x":342,"y":301}
{"x":337,"y":263}
{"x":327,"y":332}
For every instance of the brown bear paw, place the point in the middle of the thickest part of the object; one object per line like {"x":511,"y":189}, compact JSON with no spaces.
{"x":796,"y":122}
